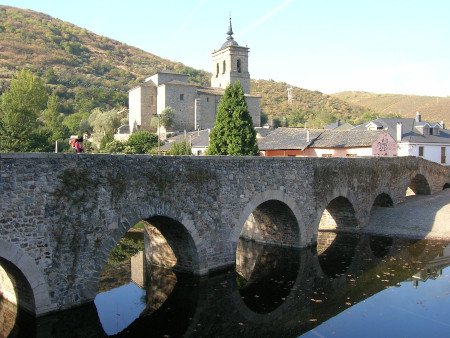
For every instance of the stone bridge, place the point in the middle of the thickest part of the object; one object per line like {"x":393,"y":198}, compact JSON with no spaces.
{"x":62,"y":214}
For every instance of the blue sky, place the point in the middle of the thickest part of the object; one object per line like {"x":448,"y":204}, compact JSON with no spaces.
{"x":383,"y":46}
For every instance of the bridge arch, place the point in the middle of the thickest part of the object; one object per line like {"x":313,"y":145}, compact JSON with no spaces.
{"x":337,"y":214}
{"x":418,"y":185}
{"x":173,"y":224}
{"x":262,"y":208}
{"x":32,"y":275}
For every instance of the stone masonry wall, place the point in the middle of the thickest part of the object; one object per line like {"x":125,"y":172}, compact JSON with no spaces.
{"x":64,"y":213}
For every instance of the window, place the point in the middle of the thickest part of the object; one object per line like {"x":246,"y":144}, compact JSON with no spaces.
{"x":238,"y":64}
{"x":217,"y":70}
{"x":431,"y":131}
{"x":181,"y":97}
{"x":224,"y":67}
{"x":207,"y":99}
{"x":327,"y":155}
{"x":443,"y":159}
{"x":421,"y":151}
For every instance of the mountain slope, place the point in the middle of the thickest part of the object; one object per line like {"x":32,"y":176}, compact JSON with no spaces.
{"x":77,"y":63}
{"x":433,"y":109}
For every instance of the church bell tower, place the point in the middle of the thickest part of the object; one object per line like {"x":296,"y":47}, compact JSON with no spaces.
{"x":230,"y":63}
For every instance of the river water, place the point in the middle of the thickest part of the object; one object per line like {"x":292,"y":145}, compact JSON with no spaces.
{"x":356,"y":286}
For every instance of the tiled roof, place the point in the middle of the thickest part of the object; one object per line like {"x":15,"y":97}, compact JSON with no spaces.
{"x":288,"y":138}
{"x":198,"y":139}
{"x":410,"y":131}
{"x":346,"y":138}
{"x":296,"y":139}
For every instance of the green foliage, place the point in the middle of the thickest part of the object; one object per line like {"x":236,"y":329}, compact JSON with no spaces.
{"x":180,"y":148}
{"x":104,"y":122}
{"x":126,"y":248}
{"x":78,"y":123}
{"x":167,"y":117}
{"x":141,"y":142}
{"x":233,"y":132}
{"x":113,"y":147}
{"x":20,"y":108}
{"x":53,"y":121}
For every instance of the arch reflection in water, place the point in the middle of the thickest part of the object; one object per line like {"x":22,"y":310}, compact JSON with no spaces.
{"x":380,"y":245}
{"x":265,"y":274}
{"x":336,"y":251}
{"x":181,"y":305}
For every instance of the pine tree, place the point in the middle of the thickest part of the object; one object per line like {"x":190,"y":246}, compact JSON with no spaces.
{"x":233,"y":132}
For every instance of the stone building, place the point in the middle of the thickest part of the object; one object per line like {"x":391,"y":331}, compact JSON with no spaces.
{"x":194,"y":106}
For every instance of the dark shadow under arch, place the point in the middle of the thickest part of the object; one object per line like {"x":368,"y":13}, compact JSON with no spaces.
{"x":15,"y":282}
{"x":338,"y":215}
{"x":272,"y":222}
{"x":418,"y":186}
{"x":383,"y":200}
{"x":446,"y":186}
{"x":169,"y":244}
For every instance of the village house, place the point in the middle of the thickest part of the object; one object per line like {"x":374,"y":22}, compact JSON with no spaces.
{"x":327,"y":143}
{"x":415,"y":137}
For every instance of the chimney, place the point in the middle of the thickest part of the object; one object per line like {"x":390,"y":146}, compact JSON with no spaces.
{"x":418,"y":117}
{"x":307,"y":136}
{"x":442,"y":125}
{"x":399,"y":132}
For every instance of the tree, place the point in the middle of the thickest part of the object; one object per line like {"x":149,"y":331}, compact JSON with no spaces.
{"x":20,"y":108}
{"x":78,"y":123}
{"x":141,"y":142}
{"x":167,"y":117}
{"x":53,"y":121}
{"x":233,"y":132}
{"x":180,"y":148}
{"x":104,"y":122}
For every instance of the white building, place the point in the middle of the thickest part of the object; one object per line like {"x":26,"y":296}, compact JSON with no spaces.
{"x":194,"y":106}
{"x":416,"y":137}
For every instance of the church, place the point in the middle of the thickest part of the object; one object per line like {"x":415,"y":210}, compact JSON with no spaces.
{"x":194,"y":106}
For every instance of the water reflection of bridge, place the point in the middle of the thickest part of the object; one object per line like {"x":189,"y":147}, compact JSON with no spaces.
{"x":276,"y":291}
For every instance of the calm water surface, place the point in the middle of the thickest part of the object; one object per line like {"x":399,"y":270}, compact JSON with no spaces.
{"x":357,"y":286}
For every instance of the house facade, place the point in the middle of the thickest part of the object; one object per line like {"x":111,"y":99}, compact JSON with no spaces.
{"x":415,"y":137}
{"x":194,"y":106}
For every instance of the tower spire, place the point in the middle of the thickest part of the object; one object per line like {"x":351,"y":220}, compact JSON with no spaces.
{"x":230,"y":31}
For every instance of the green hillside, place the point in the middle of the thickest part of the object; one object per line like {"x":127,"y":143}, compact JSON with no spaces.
{"x":85,"y":69}
{"x":432,"y":108}
{"x":311,"y":107}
